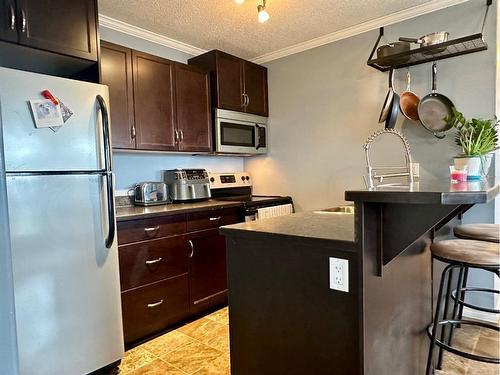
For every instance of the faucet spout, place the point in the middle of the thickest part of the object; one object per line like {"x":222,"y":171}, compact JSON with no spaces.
{"x":406,"y":169}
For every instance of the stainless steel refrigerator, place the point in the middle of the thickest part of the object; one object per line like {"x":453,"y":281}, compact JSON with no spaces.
{"x":60,"y":303}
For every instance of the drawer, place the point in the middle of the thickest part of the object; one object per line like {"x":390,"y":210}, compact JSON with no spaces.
{"x":147,"y":229}
{"x":149,"y":261}
{"x":154,"y":307}
{"x":213,"y":218}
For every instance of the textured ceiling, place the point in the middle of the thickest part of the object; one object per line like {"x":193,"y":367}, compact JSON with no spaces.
{"x":225,"y":25}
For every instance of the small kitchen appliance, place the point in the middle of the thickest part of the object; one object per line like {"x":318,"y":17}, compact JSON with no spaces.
{"x":187,"y":184}
{"x":237,"y":186}
{"x":150,"y":194}
{"x":240,"y":133}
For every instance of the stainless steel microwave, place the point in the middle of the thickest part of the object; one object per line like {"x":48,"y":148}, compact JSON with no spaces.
{"x":240,"y":133}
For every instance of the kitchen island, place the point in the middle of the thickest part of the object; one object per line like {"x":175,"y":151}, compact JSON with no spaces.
{"x":285,"y":318}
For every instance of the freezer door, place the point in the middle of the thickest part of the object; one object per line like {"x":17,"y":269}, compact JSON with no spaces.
{"x":76,"y":146}
{"x":66,"y":282}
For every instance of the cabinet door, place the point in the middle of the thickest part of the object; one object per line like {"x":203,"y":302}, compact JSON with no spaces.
{"x":256,"y":88}
{"x":153,"y":102}
{"x":67,"y":27}
{"x":207,"y":270}
{"x":116,"y":73}
{"x":8,"y":20}
{"x":192,"y":93}
{"x":230,"y":82}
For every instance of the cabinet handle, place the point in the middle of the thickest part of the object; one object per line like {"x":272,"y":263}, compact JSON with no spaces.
{"x":244,"y":100}
{"x":181,"y":132}
{"x":151,"y":305}
{"x":151,"y":231}
{"x":215,"y":218}
{"x":154,"y":261}
{"x":133,"y":132}
{"x":23,"y":21}
{"x":248,"y":100}
{"x":191,"y":244}
{"x":176,"y":136}
{"x":12,"y":18}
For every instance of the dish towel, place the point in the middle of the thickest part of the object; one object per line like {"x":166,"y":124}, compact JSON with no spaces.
{"x":274,"y":211}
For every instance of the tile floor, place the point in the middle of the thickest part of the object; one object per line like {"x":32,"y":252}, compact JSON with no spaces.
{"x":202,"y":348}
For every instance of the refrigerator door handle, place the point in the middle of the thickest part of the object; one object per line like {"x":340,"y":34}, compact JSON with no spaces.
{"x":110,"y":238}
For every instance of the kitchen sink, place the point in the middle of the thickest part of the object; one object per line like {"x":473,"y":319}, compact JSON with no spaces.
{"x":338,"y":210}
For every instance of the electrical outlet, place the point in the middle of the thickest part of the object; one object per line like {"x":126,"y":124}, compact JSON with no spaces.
{"x":339,"y":274}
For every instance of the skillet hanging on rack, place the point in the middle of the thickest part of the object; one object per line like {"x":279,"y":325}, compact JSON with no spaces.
{"x":390,"y":109}
{"x":434,"y":108}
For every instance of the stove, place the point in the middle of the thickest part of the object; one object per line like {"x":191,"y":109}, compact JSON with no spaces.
{"x":238,"y":187}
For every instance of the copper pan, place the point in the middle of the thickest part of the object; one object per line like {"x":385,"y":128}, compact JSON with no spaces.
{"x":408,"y":101}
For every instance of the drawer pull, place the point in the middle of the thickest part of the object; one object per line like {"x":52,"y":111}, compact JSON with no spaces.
{"x":153,"y":261}
{"x":151,"y":231}
{"x":215,"y":218}
{"x":151,"y":305}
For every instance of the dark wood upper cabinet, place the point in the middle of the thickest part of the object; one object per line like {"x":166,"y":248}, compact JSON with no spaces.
{"x":237,"y":84}
{"x":154,"y":102}
{"x":229,"y":82}
{"x":8,"y":20}
{"x":68,"y":28}
{"x":192,"y":93}
{"x":116,"y":72}
{"x":256,"y":88}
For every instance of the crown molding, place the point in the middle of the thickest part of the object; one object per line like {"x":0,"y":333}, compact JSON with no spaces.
{"x":139,"y":32}
{"x":376,"y":23}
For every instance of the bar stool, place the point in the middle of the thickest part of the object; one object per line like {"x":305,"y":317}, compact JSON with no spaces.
{"x":480,"y":232}
{"x":459,"y":254}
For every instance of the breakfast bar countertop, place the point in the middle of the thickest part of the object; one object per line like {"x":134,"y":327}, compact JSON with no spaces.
{"x":436,"y":191}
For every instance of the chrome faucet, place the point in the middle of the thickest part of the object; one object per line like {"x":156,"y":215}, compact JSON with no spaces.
{"x":372,"y":171}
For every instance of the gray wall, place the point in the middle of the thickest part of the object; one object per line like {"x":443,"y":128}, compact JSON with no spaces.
{"x":136,"y":167}
{"x":325,"y":102}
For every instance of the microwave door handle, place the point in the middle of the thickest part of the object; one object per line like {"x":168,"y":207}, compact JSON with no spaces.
{"x":110,"y":238}
{"x":257,"y":127}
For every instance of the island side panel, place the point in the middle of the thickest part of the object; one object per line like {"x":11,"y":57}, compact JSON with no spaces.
{"x":397,"y":307}
{"x":283,"y":317}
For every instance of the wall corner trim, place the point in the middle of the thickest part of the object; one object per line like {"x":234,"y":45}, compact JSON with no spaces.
{"x":126,"y":28}
{"x":376,"y":23}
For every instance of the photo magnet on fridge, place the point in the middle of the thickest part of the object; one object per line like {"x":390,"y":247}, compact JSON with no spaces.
{"x":46,"y":114}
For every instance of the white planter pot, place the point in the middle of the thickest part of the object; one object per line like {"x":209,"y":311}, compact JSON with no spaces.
{"x":473,"y":164}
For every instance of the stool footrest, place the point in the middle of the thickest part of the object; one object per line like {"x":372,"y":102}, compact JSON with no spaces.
{"x":462,"y":353}
{"x":471,"y":306}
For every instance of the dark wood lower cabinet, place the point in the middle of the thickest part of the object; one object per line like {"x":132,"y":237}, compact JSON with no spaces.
{"x":171,"y":268}
{"x":154,"y":307}
{"x":207,"y":270}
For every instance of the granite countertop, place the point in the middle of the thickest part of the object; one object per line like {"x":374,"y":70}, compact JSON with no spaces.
{"x":139,"y":212}
{"x":439,"y":191}
{"x":312,"y":224}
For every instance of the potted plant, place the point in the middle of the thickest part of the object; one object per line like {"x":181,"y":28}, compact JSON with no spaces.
{"x":478,"y":139}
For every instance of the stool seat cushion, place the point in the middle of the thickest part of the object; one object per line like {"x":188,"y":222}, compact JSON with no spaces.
{"x":471,"y":252}
{"x":481,"y":232}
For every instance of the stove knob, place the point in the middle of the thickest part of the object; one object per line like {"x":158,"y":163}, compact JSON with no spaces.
{"x":242,"y":178}
{"x":247,"y":178}
{"x":212,"y":179}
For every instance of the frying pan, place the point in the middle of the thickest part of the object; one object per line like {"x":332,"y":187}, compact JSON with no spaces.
{"x":390,"y":121}
{"x":390,"y":108}
{"x":408,"y":101}
{"x":430,"y":40}
{"x":434,"y":107}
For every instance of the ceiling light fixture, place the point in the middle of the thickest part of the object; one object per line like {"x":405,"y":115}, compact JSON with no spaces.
{"x":263,"y":15}
{"x":239,"y":2}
